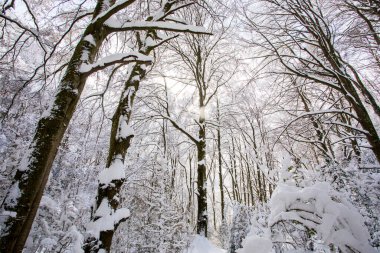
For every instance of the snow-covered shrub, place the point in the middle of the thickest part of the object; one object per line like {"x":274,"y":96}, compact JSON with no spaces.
{"x":361,"y":186}
{"x":318,"y":213}
{"x":239,"y":227}
{"x":157,"y":224}
{"x":256,"y":244}
{"x":16,"y":125}
{"x":307,"y":214}
{"x":258,"y":239}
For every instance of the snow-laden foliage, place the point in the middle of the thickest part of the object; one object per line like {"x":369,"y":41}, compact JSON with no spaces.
{"x":157,"y":223}
{"x":317,"y":213}
{"x":255,"y":244}
{"x":239,"y":227}
{"x":309,"y":215}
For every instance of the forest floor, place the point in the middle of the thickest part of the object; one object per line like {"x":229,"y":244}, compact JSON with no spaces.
{"x":200,"y":244}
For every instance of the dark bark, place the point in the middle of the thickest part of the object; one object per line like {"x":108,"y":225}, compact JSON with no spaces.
{"x":259,"y":186}
{"x":109,"y":193}
{"x":117,"y":150}
{"x":202,"y":179}
{"x":347,"y":83}
{"x":220,"y":172}
{"x":31,"y":180}
{"x":249,"y":183}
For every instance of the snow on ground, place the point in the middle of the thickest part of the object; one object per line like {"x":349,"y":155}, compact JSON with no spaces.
{"x":255,"y":244}
{"x":200,"y":244}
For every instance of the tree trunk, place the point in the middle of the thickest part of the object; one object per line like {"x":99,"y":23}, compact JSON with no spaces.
{"x":249,"y":183}
{"x":108,"y":189}
{"x":121,"y":135}
{"x":23,"y":199}
{"x":348,"y":83}
{"x":202,"y":180}
{"x":120,"y":139}
{"x":219,"y":139}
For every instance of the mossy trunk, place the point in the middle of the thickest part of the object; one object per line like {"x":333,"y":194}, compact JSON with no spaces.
{"x":19,"y":210}
{"x":117,"y":150}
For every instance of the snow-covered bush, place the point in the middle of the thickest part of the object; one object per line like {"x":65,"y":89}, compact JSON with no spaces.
{"x":258,"y":239}
{"x":303,"y":216}
{"x":239,"y":227}
{"x":314,"y":218}
{"x":361,"y":186}
{"x":308,"y":215}
{"x":157,"y":224}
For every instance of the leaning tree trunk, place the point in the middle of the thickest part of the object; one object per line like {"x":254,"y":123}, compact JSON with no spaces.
{"x":352,"y":95}
{"x":364,"y":119}
{"x":22,"y":200}
{"x":349,"y":84}
{"x":112,"y":178}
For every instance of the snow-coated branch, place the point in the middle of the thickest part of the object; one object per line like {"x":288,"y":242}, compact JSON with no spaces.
{"x":113,"y":59}
{"x":156,"y":25}
{"x":314,"y":113}
{"x":351,"y":137}
{"x":348,"y":126}
{"x":181,"y":129}
{"x":168,"y":8}
{"x":150,"y":43}
{"x":118,"y":6}
{"x":321,"y":208}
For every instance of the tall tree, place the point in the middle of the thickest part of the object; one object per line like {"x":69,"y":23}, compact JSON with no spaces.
{"x":112,"y":177}
{"x":23,"y":198}
{"x":308,"y":48}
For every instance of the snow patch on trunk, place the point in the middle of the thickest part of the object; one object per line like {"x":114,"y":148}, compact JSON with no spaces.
{"x":13,"y":195}
{"x":114,"y":172}
{"x":89,"y":38}
{"x":125,"y":130}
{"x":107,"y":222}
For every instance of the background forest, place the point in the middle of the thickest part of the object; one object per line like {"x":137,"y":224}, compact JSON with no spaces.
{"x":249,"y":126}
